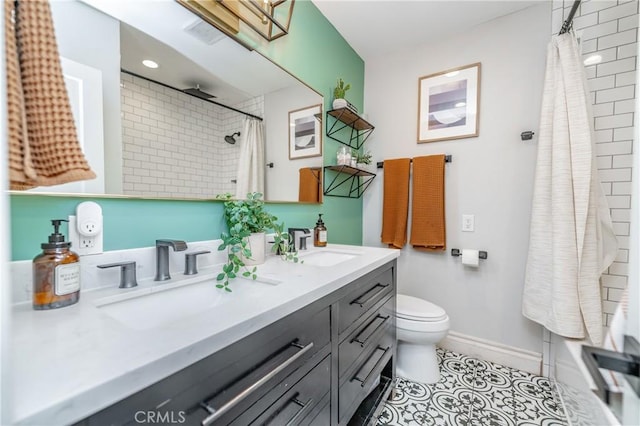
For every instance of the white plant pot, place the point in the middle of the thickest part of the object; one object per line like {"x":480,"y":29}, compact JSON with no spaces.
{"x":363,"y":166}
{"x":258,"y":246}
{"x":339,"y":103}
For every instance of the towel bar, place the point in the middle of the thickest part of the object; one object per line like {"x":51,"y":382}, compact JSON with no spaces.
{"x":457,"y":252}
{"x":447,"y":159}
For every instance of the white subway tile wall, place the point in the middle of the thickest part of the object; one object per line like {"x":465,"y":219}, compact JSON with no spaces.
{"x":173,"y":144}
{"x":609,"y":28}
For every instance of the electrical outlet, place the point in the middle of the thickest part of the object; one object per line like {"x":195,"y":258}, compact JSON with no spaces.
{"x":85,"y":229}
{"x":468,"y":222}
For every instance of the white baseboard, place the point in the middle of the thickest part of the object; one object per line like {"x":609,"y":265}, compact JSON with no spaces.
{"x":495,"y":352}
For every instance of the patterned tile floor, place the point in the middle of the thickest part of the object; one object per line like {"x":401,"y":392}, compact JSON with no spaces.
{"x":474,"y":392}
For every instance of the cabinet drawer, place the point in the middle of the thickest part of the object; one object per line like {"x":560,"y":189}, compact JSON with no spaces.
{"x":321,"y":415}
{"x":367,"y":293}
{"x":368,"y":334}
{"x":359,"y":381}
{"x":298,"y":402}
{"x":222,"y":376}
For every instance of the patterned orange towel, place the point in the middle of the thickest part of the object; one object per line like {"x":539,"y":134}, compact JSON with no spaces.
{"x":395,"y":205}
{"x":309,"y":186}
{"x":427,"y":211}
{"x":43,"y":145}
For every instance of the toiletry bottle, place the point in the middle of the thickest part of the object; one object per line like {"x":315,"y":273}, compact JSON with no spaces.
{"x":56,"y":273}
{"x":320,"y":233}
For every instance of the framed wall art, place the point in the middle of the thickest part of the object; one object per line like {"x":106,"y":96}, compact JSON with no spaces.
{"x":448,"y":104}
{"x":305,"y":132}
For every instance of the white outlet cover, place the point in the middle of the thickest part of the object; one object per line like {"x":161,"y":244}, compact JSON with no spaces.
{"x":85,"y":229}
{"x":468,"y":222}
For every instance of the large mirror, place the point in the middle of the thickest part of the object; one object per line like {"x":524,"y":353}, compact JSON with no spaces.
{"x":145,"y":138}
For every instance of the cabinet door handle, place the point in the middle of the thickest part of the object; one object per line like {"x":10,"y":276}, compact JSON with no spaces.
{"x":375,"y":367}
{"x":303,"y":408}
{"x":217,"y":413}
{"x":363,"y":342}
{"x":362,"y":299}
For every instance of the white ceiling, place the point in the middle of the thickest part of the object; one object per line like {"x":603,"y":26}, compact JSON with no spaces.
{"x":222,"y":68}
{"x":380,"y":27}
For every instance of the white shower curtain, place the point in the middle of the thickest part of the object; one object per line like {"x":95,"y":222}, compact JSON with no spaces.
{"x":571,"y":236}
{"x":251,"y":166}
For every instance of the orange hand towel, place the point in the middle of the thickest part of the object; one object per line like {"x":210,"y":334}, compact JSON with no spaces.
{"x":427,"y":211}
{"x":43,"y":146}
{"x":395,"y":205}
{"x":309,"y":185}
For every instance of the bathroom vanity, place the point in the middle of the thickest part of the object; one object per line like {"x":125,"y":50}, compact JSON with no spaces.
{"x":315,"y":345}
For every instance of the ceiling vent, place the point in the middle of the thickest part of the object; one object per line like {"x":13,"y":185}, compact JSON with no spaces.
{"x":204,"y":32}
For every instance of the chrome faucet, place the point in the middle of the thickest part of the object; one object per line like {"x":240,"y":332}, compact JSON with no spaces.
{"x":162,"y":257}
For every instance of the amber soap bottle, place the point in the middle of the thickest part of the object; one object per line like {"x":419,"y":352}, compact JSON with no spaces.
{"x":320,"y":233}
{"x":56,"y":273}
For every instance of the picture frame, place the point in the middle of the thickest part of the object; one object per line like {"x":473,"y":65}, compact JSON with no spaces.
{"x":305,"y":132}
{"x":449,"y":103}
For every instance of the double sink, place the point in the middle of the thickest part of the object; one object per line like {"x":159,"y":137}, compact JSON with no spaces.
{"x":163,"y":304}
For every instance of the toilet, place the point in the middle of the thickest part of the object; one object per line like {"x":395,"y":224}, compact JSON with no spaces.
{"x":420,"y":325}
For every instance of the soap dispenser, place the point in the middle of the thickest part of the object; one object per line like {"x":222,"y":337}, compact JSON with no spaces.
{"x":320,"y":233}
{"x":56,"y":273}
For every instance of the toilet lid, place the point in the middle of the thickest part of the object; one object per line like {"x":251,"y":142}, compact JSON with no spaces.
{"x":413,"y":308}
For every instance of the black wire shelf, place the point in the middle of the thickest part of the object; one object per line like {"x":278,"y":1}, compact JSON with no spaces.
{"x":358,"y":129}
{"x":353,"y":181}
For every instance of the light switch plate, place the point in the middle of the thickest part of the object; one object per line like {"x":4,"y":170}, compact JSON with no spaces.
{"x":468,"y":222}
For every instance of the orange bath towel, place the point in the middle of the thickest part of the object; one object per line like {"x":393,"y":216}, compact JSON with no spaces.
{"x":395,"y":205}
{"x":309,"y":189}
{"x":43,"y":146}
{"x":427,"y":211}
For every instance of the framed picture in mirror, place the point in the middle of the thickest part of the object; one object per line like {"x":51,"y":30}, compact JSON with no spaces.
{"x":305,"y":132}
{"x":448,"y":104}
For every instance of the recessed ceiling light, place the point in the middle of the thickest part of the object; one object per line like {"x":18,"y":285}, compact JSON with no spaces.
{"x":149,"y":63}
{"x":593,"y":59}
{"x":460,"y":104}
{"x":452,"y":74}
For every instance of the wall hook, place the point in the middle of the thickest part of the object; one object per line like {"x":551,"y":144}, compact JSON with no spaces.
{"x":526,"y":136}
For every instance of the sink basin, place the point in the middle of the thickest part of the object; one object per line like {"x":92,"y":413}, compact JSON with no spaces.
{"x":150,"y":310}
{"x":167,"y":303}
{"x":327,"y":257}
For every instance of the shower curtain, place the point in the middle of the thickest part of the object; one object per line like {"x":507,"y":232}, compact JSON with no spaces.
{"x":250,"y":176}
{"x":571,"y":236}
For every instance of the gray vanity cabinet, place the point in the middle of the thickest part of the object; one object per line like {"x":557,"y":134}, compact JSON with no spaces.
{"x":329,"y":363}
{"x":366,"y":346}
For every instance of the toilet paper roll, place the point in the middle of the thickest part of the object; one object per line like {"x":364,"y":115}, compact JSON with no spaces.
{"x":470,"y":257}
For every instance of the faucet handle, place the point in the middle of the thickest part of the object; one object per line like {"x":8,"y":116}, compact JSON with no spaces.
{"x":303,"y":242}
{"x":127,"y":273}
{"x":191,"y":262}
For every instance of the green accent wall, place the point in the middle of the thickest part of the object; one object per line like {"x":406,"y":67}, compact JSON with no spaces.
{"x":313,"y":51}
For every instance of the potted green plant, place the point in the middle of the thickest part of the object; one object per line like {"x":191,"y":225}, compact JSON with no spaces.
{"x":245,"y":242}
{"x":339,"y":91}
{"x":363,"y":160}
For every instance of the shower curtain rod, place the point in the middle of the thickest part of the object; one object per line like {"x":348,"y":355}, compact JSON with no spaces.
{"x":182,"y":91}
{"x":569,"y":21}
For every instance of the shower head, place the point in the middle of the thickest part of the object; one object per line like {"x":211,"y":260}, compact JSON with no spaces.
{"x":195,"y":91}
{"x":230,"y":138}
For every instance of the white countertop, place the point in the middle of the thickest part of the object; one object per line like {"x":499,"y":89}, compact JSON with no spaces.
{"x":71,"y":362}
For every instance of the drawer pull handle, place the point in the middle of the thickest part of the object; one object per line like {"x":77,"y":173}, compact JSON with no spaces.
{"x":303,"y":408}
{"x":375,"y":367}
{"x":362,"y":300}
{"x":215,"y":414}
{"x":375,"y":330}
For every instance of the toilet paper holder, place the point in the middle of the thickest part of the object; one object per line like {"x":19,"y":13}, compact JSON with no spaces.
{"x":457,"y":252}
